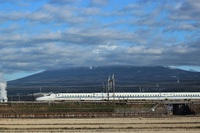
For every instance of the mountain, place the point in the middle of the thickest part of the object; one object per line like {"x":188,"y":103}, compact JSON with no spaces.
{"x":90,"y":79}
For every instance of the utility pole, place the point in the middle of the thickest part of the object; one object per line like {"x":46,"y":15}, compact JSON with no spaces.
{"x":111,"y":86}
{"x":108,"y":88}
{"x":18,"y":96}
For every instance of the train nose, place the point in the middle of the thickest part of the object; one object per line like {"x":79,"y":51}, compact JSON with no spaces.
{"x":40,"y":99}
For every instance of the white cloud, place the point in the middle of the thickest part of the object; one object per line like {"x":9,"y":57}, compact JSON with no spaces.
{"x":45,"y":35}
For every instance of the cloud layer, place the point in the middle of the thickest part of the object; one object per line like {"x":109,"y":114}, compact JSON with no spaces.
{"x":49,"y":34}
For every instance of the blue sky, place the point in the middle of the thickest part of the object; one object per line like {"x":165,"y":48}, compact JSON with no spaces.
{"x":37,"y":35}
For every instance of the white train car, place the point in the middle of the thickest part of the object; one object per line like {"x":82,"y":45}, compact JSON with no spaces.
{"x":120,"y":96}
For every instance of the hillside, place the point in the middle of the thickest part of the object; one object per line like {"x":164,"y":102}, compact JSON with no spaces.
{"x":90,"y":79}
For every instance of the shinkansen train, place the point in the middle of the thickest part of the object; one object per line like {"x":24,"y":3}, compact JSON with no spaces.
{"x":119,"y":96}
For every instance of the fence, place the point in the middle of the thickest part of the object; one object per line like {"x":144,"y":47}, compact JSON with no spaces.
{"x":77,"y":115}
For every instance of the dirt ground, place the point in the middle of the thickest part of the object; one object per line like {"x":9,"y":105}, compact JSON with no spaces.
{"x":103,"y":125}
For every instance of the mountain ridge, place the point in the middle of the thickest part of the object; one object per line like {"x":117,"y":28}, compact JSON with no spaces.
{"x":128,"y":78}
